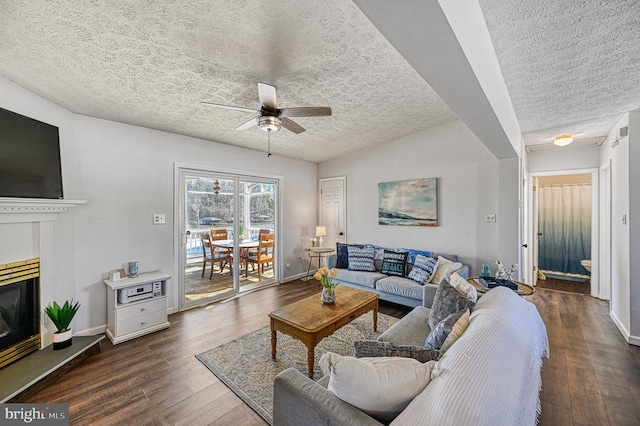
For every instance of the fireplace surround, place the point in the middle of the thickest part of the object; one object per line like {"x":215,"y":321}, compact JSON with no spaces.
{"x":19,"y":310}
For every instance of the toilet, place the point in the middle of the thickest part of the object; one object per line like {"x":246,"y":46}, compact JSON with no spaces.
{"x":586,"y":264}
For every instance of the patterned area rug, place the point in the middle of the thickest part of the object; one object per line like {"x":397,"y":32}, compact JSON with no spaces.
{"x":245,"y":364}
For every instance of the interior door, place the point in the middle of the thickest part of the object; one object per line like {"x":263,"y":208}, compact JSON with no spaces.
{"x":333,"y":210}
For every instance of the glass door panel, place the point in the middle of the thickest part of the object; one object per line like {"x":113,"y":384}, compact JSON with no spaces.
{"x":257,"y":214}
{"x":209,"y":212}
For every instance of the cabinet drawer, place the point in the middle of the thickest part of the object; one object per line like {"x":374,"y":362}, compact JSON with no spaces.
{"x":141,"y":322}
{"x":143,"y":308}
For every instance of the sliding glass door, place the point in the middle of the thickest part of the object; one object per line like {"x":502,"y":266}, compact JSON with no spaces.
{"x":222,"y":218}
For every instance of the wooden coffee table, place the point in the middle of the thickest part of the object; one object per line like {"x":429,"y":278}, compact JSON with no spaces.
{"x":309,"y":320}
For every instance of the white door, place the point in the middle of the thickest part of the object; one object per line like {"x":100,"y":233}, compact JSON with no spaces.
{"x":333,"y":212}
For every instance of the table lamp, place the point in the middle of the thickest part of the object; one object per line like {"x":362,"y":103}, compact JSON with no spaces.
{"x":321,"y":231}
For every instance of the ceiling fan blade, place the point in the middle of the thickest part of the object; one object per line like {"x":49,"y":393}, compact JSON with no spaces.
{"x":237,"y":108}
{"x":267,"y":95}
{"x":292,"y":125}
{"x":304,"y":112}
{"x":248,"y":124}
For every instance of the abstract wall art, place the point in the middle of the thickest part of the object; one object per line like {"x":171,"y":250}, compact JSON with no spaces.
{"x":408,"y":202}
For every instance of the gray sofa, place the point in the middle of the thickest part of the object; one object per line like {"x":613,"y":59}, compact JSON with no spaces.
{"x":392,"y":288}
{"x":489,"y":376}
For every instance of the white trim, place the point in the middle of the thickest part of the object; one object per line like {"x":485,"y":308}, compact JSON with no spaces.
{"x":595,"y":216}
{"x":22,"y":210}
{"x":93,"y":331}
{"x":623,"y":330}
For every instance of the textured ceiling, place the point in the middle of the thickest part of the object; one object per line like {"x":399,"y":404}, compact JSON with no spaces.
{"x":151,"y":63}
{"x":571,"y":66}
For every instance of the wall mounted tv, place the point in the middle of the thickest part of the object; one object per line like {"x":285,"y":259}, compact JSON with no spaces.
{"x":29,"y":158}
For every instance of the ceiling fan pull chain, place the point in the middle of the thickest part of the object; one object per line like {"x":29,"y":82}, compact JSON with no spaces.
{"x":269,"y":143}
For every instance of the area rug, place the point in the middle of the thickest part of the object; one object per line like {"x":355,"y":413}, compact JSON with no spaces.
{"x":246,"y":367}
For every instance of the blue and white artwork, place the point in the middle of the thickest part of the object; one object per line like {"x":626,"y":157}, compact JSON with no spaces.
{"x":408,"y":202}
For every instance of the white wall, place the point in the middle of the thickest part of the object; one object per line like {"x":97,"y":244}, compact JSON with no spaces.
{"x":633,"y":224}
{"x":468,"y":188}
{"x":564,"y":159}
{"x":620,"y":260}
{"x":126,"y":174}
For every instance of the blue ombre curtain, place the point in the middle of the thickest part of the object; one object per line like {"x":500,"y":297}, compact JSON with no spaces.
{"x":564,"y":222}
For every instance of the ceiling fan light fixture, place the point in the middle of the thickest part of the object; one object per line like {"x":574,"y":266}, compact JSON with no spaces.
{"x":563,"y":140}
{"x":269,"y":123}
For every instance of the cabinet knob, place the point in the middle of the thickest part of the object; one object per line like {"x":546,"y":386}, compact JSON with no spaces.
{"x":142,"y":323}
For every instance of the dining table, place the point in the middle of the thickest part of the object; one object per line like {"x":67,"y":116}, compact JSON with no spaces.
{"x":244,"y":246}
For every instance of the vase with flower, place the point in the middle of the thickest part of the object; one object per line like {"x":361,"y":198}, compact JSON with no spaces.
{"x":325,"y":276}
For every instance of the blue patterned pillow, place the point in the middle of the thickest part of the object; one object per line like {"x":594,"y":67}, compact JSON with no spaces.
{"x":361,"y":258}
{"x":423,"y":269}
{"x":439,"y":334}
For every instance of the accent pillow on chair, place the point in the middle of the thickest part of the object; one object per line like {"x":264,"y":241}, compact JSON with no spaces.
{"x":446,"y":301}
{"x":381,"y":387}
{"x":423,"y":269}
{"x":361,"y":258}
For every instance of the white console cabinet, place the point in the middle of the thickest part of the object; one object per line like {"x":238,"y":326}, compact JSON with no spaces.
{"x":136,"y":306}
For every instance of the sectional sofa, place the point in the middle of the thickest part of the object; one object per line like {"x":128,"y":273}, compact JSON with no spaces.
{"x":396,"y":289}
{"x":491,"y":375}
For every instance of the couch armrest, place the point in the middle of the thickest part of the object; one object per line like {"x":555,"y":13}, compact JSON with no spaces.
{"x":299,"y":400}
{"x":428,"y":293}
{"x":332,"y":261}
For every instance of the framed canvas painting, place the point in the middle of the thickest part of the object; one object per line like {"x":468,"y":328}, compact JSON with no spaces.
{"x":408,"y":202}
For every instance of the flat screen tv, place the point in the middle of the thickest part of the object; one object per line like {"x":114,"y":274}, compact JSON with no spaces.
{"x":29,"y":158}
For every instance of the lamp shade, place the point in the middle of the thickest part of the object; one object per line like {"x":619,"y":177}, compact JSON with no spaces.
{"x":321,"y":231}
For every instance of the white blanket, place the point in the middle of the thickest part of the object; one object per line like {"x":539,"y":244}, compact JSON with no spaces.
{"x":491,"y":375}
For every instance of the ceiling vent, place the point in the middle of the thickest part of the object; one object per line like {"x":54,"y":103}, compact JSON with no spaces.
{"x":577,"y":143}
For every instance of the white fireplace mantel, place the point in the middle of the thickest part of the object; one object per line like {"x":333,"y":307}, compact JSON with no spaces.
{"x":20,"y":210}
{"x":42,"y":213}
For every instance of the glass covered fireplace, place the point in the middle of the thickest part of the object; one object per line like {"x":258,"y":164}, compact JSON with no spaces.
{"x":19,"y":310}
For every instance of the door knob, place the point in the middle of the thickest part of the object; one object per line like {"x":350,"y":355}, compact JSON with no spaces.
{"x":525,"y":245}
{"x":340,"y":233}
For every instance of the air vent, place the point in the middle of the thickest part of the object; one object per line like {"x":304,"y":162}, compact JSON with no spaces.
{"x":577,"y":143}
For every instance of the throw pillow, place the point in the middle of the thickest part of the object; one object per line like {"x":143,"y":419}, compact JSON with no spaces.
{"x":375,"y":348}
{"x":342,"y":260}
{"x":441,"y":331}
{"x":381,"y":387}
{"x":463,"y":286}
{"x":445,"y":268}
{"x":447,"y":300}
{"x":423,"y":269}
{"x":393,"y":263}
{"x":361,"y":258}
{"x":458,"y":328}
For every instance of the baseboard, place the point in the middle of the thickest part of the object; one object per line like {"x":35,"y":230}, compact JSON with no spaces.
{"x":93,"y":331}
{"x":634,"y":340}
{"x":299,"y":276}
{"x":623,"y":330}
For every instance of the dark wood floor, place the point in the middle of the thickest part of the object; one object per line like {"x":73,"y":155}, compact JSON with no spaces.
{"x":565,"y":285}
{"x":592,"y":377}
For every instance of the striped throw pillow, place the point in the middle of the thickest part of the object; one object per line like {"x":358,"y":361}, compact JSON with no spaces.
{"x":361,"y":258}
{"x":423,"y":269}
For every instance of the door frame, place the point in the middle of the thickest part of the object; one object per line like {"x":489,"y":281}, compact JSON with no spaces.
{"x":595,"y":219}
{"x":178,"y":254}
{"x":604,"y":290}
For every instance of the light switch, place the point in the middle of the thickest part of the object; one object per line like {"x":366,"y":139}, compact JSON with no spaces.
{"x":158,"y":219}
{"x":490,"y":218}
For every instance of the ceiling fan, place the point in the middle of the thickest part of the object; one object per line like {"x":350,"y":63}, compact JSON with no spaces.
{"x":270,"y":117}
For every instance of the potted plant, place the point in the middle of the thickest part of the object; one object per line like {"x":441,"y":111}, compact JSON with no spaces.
{"x":325,"y":276}
{"x":61,"y":317}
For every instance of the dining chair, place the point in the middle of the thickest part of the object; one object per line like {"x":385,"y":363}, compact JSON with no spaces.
{"x":207,"y":251}
{"x":264,"y":255}
{"x":222,"y":255}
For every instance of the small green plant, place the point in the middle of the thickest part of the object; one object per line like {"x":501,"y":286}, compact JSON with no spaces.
{"x":61,"y":316}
